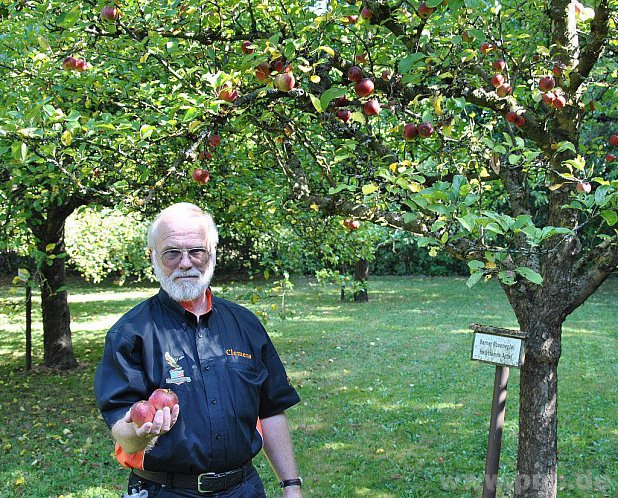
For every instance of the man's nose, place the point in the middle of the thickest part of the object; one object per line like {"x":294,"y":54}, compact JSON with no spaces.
{"x":185,"y":261}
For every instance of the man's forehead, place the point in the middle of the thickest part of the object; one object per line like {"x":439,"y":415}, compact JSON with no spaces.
{"x":181,"y":226}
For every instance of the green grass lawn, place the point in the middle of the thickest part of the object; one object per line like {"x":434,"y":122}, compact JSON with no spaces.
{"x":392,"y":406}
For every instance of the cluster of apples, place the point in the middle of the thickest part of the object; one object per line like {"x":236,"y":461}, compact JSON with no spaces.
{"x":283,"y":80}
{"x":552,"y":95}
{"x":144,"y":411}
{"x":203,"y":175}
{"x":498,"y":81}
{"x":423,"y":130}
{"x":73,"y":64}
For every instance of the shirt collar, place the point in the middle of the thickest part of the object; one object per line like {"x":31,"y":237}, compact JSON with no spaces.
{"x":177,"y":309}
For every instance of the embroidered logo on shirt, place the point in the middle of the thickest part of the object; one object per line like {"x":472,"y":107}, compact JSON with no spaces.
{"x":232,"y":352}
{"x":177,"y":373}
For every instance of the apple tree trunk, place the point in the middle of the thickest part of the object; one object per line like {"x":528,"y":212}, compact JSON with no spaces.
{"x":361,"y":274}
{"x":57,"y":341}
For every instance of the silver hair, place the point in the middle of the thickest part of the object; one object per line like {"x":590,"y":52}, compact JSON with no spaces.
{"x":185,"y":209}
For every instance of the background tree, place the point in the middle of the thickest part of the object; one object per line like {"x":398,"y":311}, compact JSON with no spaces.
{"x":486,"y":128}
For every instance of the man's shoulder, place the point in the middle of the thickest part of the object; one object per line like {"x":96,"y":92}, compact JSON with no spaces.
{"x":237,"y":309}
{"x":138,"y":314}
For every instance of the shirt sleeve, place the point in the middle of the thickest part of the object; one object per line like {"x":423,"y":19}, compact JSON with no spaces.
{"x":120,"y":379}
{"x":277,"y":393}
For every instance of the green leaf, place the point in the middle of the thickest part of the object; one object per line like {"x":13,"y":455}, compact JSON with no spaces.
{"x":475,"y":264}
{"x":529,"y":274}
{"x":406,"y":64}
{"x":316,"y":103}
{"x":146,"y":131}
{"x":564,"y":146}
{"x":474,"y":278}
{"x":468,"y":221}
{"x":331,"y":94}
{"x":190,"y":114}
{"x":67,"y":19}
{"x":370,"y":188}
{"x":610,"y":217}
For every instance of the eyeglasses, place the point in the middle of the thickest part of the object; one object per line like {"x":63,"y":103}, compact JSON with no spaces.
{"x":198,"y":256}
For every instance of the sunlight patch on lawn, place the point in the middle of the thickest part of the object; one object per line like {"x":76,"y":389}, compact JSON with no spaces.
{"x":336,"y":446}
{"x":372,"y":493}
{"x":103,"y":323}
{"x":111,"y":296}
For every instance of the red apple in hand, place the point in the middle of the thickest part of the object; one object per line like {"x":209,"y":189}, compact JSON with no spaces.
{"x":142,"y":412}
{"x":364,"y":87}
{"x":160,"y":398}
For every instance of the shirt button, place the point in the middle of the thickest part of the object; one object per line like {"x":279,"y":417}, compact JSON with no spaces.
{"x":206,"y":367}
{"x":214,"y":401}
{"x":218,"y":436}
{"x":199,"y":335}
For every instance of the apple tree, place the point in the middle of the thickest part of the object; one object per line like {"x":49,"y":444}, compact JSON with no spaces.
{"x":487,"y":129}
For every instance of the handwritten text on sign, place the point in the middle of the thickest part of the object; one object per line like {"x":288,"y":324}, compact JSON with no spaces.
{"x":497,"y":349}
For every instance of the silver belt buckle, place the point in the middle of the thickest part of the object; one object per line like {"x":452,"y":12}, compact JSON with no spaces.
{"x":199,"y":482}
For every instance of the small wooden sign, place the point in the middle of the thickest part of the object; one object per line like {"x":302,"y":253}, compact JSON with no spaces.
{"x":498,"y":346}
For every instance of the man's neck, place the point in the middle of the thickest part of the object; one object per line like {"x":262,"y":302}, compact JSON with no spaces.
{"x":199,"y":306}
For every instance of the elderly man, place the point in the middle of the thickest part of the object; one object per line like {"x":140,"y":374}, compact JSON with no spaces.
{"x":218,"y":359}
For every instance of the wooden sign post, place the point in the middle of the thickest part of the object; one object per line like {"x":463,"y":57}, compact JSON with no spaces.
{"x":504,"y":348}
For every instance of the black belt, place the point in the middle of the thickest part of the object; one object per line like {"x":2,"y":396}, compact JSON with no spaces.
{"x":208,"y":482}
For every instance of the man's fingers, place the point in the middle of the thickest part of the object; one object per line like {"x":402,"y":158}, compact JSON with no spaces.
{"x":175,"y":413}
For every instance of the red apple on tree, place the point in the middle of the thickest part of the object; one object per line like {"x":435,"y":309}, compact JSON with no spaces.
{"x":68,"y":64}
{"x":486,"y":47}
{"x":499,"y":65}
{"x":247,"y":47}
{"x":344,"y":115}
{"x":352,"y":19}
{"x":214,"y":140}
{"x":109,"y":13}
{"x":613,"y":140}
{"x":364,"y":87}
{"x":559,"y":102}
{"x":425,"y":130}
{"x":81,"y":65}
{"x":497,"y":80}
{"x":355,"y":73}
{"x":278,"y":65}
{"x":201,"y":176}
{"x":160,"y":398}
{"x":584,"y":187}
{"x":262,"y":71}
{"x":511,"y":116}
{"x":424,"y":11}
{"x":548,"y":97}
{"x":410,"y":131}
{"x":372,"y":107}
{"x":610,"y":158}
{"x":546,"y":83}
{"x":284,"y":82}
{"x":228,"y":94}
{"x":520,"y":121}
{"x":361,"y":58}
{"x":504,"y":90}
{"x":366,"y":13}
{"x":142,"y":412}
{"x":340,"y":101}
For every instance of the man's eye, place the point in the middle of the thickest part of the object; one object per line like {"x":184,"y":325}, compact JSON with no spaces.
{"x":172,"y":253}
{"x":197,"y":253}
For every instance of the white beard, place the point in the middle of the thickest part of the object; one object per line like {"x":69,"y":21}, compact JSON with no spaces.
{"x":184,"y":290}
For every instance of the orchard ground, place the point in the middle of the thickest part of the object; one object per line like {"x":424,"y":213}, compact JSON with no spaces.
{"x":392,"y":406}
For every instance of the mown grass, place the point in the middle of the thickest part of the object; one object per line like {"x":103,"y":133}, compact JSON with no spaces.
{"x":391,"y":405}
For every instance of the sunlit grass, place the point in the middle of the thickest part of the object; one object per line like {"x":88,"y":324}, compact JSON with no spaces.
{"x":391,"y":404}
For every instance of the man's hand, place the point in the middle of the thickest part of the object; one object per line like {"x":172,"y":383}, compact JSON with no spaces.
{"x":133,"y":438}
{"x":163,"y":421}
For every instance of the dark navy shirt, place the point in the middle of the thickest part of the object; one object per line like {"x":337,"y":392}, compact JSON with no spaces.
{"x":224,"y":369}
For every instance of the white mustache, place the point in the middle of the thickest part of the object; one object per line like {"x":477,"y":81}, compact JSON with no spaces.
{"x":188,"y":273}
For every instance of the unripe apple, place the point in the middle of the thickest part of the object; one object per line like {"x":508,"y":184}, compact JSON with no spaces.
{"x":410,"y":131}
{"x":355,"y":73}
{"x":372,"y":107}
{"x":214,"y":140}
{"x":511,"y":116}
{"x":425,"y":130}
{"x":497,"y":80}
{"x":610,"y":158}
{"x":546,"y":83}
{"x":520,"y":121}
{"x":247,"y":47}
{"x":424,"y":11}
{"x":142,"y":412}
{"x":366,"y":13}
{"x":559,"y":102}
{"x":262,"y":71}
{"x":486,"y":47}
{"x":160,"y":398}
{"x":68,"y":64}
{"x":284,"y":82}
{"x":613,"y":140}
{"x":344,"y":115}
{"x":360,"y":58}
{"x":109,"y":13}
{"x":504,"y":90}
{"x":229,"y":95}
{"x":364,"y":87}
{"x":584,"y":187}
{"x":499,"y":65}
